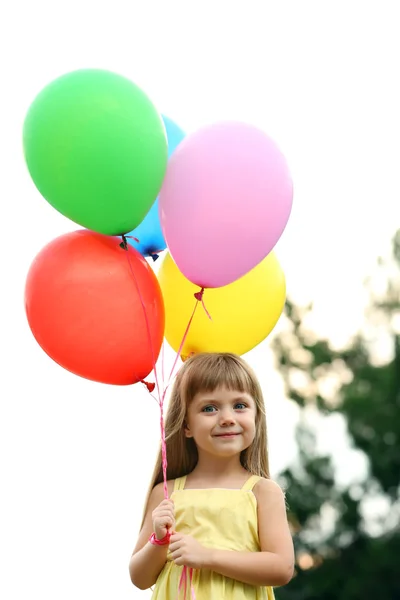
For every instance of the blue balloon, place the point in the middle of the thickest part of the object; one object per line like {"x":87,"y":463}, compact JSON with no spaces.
{"x":149,"y":233}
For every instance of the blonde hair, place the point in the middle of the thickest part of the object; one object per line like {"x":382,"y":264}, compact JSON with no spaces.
{"x":205,"y":373}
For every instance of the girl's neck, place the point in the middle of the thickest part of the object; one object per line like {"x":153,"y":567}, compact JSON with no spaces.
{"x":213,"y":471}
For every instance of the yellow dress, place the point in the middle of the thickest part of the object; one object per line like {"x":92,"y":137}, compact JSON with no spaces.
{"x":218,"y":518}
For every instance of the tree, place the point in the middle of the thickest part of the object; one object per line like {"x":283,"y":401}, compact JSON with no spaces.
{"x":341,"y":550}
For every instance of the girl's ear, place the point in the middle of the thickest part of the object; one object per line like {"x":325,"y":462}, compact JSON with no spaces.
{"x":187,"y":431}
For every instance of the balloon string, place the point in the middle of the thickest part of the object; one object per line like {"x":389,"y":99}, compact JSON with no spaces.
{"x":161,"y":404}
{"x":183,"y":582}
{"x":161,"y":396}
{"x":124,"y":245}
{"x":199,"y":296}
{"x":191,"y":584}
{"x":163,"y":447}
{"x":163,"y":364}
{"x":149,"y":386}
{"x":178,"y":354}
{"x":146,"y":318}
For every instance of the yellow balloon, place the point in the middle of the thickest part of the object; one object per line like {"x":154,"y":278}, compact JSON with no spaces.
{"x":242,"y":313}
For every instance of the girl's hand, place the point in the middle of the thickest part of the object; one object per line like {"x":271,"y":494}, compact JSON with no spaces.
{"x":163,"y":518}
{"x":187,"y":551}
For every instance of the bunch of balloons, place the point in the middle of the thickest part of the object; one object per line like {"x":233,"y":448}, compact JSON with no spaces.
{"x":218,"y":200}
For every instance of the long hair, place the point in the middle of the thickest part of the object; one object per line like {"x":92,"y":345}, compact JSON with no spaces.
{"x":205,"y":373}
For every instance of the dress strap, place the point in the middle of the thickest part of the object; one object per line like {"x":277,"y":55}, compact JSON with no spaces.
{"x":251,"y":482}
{"x":179,"y":483}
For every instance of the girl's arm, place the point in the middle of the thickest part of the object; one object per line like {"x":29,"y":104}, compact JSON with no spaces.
{"x":274,"y":565}
{"x":147,"y":560}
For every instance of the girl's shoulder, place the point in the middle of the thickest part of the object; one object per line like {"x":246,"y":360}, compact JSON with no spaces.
{"x":267,"y":488}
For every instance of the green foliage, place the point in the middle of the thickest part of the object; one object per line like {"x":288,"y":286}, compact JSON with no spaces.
{"x":342,"y":551}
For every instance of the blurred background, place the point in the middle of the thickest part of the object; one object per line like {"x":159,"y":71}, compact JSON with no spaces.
{"x":347,"y":534}
{"x":76,"y":457}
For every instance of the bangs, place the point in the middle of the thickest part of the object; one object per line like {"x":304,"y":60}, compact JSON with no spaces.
{"x":207,"y":372}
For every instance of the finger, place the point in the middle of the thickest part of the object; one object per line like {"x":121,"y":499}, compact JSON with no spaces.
{"x":163,"y":518}
{"x":162,"y":527}
{"x":164,"y":509}
{"x":163,"y":514}
{"x":169,"y":503}
{"x":175,"y":546}
{"x":174,"y":543}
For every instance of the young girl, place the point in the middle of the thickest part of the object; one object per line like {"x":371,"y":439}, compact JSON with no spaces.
{"x":225,"y":520}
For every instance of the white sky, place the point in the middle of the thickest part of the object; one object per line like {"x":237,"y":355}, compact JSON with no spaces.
{"x":322,"y":78}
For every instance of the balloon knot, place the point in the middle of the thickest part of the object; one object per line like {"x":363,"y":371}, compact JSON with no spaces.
{"x":124,"y":243}
{"x":199,"y":295}
{"x":155,"y":257}
{"x":150,"y":386}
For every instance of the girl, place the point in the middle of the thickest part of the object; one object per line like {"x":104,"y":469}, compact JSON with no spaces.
{"x":225,"y":522}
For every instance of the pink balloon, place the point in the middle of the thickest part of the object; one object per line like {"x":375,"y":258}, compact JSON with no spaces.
{"x":224,"y":203}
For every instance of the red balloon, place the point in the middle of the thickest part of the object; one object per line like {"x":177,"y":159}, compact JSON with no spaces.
{"x":85,"y":310}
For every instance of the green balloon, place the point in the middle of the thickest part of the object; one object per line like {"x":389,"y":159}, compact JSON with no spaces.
{"x":96,"y":149}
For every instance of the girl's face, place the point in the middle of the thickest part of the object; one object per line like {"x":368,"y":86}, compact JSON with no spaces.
{"x":222,"y":422}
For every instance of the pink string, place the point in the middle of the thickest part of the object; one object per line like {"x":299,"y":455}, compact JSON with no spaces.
{"x":163,"y":364}
{"x":163,"y":447}
{"x":183,"y":581}
{"x":191,"y":584}
{"x":183,"y":341}
{"x":161,"y":404}
{"x":131,"y":237}
{"x":125,"y":246}
{"x":161,"y":395}
{"x":199,"y":296}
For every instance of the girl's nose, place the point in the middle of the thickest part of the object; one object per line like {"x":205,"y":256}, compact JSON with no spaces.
{"x":227,"y":418}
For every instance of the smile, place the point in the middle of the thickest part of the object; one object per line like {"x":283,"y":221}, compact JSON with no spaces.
{"x":227,"y":435}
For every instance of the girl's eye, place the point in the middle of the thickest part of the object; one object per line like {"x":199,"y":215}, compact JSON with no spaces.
{"x":208,"y":408}
{"x":240,"y":405}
